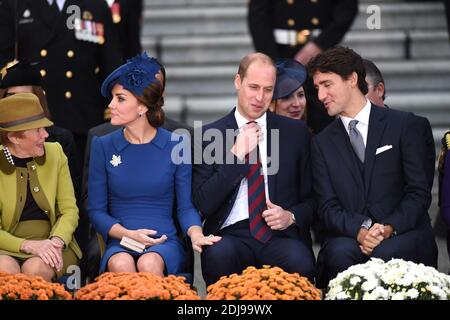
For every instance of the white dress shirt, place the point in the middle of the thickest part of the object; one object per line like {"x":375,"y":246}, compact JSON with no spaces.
{"x":363,"y":121}
{"x":240,"y":208}
{"x":60,"y":3}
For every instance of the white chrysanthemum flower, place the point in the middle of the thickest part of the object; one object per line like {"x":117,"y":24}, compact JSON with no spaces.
{"x":342,"y":296}
{"x":412,"y":293}
{"x":396,"y":279}
{"x":398,"y":296}
{"x":438,"y":292}
{"x":370,"y":284}
{"x":355,"y":280}
{"x":381,"y":293}
{"x":406,"y":281}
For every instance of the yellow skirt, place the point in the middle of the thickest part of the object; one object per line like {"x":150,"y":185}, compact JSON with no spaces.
{"x":39,"y":230}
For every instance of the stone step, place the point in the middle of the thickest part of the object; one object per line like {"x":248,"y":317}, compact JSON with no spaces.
{"x":418,"y":75}
{"x":404,"y":16}
{"x":231,"y":48}
{"x":419,"y":102}
{"x":430,"y":44}
{"x":421,"y":75}
{"x":378,"y":45}
{"x":152,"y":4}
{"x":188,"y":3}
{"x":232,"y":19}
{"x":434,"y":106}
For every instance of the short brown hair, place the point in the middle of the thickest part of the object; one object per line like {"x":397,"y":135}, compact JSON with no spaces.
{"x":153,"y":98}
{"x":342,"y":61}
{"x":249,"y":59}
{"x":4,"y":139}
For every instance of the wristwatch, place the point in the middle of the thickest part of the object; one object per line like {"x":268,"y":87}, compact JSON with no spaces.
{"x":293,"y":218}
{"x":367,"y":224}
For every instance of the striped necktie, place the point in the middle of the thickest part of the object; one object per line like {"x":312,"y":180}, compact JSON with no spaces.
{"x":257,"y":202}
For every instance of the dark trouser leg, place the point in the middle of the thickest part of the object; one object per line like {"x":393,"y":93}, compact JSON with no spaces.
{"x":229,"y":255}
{"x":289,"y":254}
{"x":337,"y":255}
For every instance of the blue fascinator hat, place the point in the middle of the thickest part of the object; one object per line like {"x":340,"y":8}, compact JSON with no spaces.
{"x":291,"y":75}
{"x":135,"y":75}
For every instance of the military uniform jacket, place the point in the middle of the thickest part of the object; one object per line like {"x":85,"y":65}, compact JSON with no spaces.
{"x":331,"y":18}
{"x":75,"y":57}
{"x":127,"y":16}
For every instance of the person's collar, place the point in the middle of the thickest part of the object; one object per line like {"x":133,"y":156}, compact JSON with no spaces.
{"x":8,"y":168}
{"x":160,"y":140}
{"x":60,"y":3}
{"x":242,"y":121}
{"x":362,"y":116}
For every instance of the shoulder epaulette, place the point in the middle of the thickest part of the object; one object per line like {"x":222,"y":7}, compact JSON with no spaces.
{"x":4,"y":70}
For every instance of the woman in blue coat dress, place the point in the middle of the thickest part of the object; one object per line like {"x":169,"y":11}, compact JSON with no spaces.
{"x":135,"y":173}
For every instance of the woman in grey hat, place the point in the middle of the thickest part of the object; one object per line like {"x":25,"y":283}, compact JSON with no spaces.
{"x":38,"y":212}
{"x":25,"y":77}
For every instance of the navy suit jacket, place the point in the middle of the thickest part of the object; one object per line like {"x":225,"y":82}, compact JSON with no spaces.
{"x":215,"y":186}
{"x":393,"y":188}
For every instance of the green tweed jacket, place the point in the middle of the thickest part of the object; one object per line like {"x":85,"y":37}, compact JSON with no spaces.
{"x":52,"y":190}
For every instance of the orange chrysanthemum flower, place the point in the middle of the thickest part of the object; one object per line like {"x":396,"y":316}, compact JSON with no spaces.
{"x":24,"y":287}
{"x":136,"y":286}
{"x":263,"y":284}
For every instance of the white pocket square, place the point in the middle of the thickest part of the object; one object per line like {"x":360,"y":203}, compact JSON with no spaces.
{"x":383,"y":149}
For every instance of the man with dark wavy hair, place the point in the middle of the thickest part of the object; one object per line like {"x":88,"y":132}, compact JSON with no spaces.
{"x":369,"y":178}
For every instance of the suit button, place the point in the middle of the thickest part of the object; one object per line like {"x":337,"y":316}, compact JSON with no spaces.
{"x":70,"y":53}
{"x":43,"y":73}
{"x":33,"y":167}
{"x":36,"y":189}
{"x":290,"y":2}
{"x":43,"y":53}
{"x":69,"y":74}
{"x":97,"y":70}
{"x":46,"y":211}
{"x":314,"y":1}
{"x":315,"y":21}
{"x":291,"y":22}
{"x":68,"y":94}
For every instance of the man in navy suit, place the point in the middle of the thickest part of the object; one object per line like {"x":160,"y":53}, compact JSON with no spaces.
{"x":369,"y":178}
{"x":255,"y":190}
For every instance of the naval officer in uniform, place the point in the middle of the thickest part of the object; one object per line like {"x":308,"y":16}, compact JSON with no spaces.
{"x":76,"y":47}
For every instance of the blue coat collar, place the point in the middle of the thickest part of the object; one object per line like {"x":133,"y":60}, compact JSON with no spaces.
{"x":160,"y":140}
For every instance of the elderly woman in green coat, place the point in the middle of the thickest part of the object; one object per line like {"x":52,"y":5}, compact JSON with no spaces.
{"x":38,"y":212}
